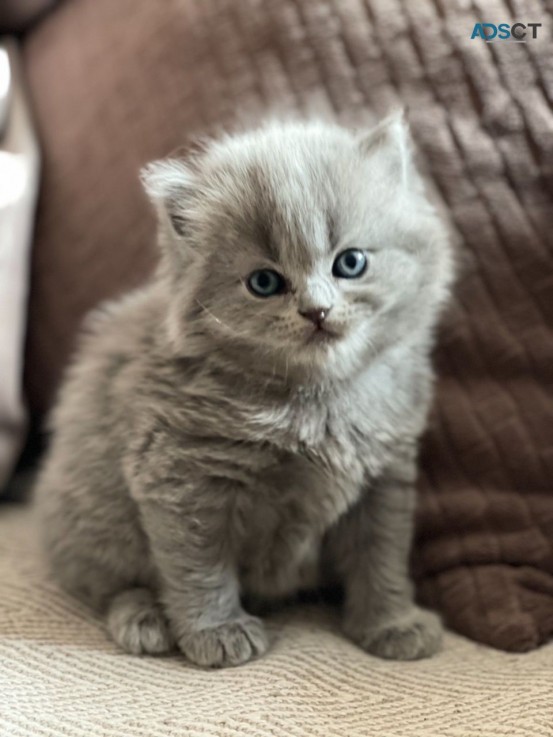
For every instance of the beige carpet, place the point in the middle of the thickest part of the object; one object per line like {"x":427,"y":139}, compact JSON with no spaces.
{"x":61,"y":677}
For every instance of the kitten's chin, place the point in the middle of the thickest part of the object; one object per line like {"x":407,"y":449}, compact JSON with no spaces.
{"x":336,"y":356}
{"x":327,"y":357}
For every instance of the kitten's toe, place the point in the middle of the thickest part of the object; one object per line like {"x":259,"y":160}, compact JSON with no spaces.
{"x":414,"y":635}
{"x":138,"y":625}
{"x":232,"y":643}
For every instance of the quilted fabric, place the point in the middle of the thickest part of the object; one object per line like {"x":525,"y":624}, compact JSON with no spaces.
{"x":118,"y":83}
{"x":61,"y":676}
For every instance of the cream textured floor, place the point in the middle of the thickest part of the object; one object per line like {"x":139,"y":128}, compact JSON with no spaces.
{"x":61,"y":677}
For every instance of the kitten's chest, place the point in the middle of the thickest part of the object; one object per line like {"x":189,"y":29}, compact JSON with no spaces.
{"x":337,"y":438}
{"x":325,"y":463}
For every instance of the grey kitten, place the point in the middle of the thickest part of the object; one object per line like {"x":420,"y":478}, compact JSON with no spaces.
{"x":246,"y":425}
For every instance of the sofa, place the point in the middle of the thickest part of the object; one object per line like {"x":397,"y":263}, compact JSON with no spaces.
{"x":116,"y":83}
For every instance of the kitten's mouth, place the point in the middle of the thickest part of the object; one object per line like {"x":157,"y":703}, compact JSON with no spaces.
{"x":322,"y":335}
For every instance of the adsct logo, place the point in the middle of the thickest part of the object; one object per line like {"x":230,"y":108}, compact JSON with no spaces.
{"x":517,"y":33}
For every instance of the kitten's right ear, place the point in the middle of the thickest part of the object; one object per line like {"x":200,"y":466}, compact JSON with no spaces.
{"x":169,"y":184}
{"x":390,"y":140}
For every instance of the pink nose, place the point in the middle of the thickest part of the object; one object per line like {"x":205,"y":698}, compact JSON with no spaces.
{"x":317,"y":315}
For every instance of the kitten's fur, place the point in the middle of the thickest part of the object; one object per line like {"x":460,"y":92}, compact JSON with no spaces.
{"x":206,"y":448}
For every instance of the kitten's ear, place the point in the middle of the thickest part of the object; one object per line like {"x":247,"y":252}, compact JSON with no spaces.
{"x":169,"y":184}
{"x":391,"y":142}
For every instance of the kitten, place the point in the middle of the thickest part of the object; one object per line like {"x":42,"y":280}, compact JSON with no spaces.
{"x":246,"y":425}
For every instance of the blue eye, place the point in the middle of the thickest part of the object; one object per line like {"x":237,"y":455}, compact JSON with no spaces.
{"x":350,"y":264}
{"x":265,"y":283}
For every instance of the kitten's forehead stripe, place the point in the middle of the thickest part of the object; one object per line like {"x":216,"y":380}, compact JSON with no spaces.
{"x":332,"y":230}
{"x":262,"y":211}
{"x":286,"y":216}
{"x":263,"y":233}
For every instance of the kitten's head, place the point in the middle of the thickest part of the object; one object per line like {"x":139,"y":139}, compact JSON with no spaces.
{"x":301,"y":247}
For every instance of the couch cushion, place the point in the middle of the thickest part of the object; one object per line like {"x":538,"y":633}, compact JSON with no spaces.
{"x":118,"y":83}
{"x":60,"y":674}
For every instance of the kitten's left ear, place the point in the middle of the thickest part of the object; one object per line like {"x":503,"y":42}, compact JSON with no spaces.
{"x":391,"y":142}
{"x":169,"y":184}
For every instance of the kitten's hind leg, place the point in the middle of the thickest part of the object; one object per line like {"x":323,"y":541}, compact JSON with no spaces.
{"x":138,"y":624}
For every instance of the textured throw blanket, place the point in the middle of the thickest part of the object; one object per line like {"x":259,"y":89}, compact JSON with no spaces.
{"x":118,"y":83}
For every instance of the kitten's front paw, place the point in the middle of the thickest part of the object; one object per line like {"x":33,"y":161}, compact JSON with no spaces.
{"x":231,"y":643}
{"x":416,"y":634}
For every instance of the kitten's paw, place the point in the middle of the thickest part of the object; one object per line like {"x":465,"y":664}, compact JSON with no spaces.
{"x":232,"y":643}
{"x":414,"y":635}
{"x":138,"y":625}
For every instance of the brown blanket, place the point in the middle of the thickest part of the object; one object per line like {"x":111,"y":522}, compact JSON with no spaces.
{"x":118,"y":83}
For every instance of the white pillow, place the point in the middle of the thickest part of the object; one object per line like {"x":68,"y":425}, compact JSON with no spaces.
{"x":19,"y":168}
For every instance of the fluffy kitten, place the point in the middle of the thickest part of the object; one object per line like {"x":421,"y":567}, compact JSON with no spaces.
{"x":246,"y":425}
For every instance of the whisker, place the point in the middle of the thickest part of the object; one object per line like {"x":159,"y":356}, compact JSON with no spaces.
{"x":208,"y":311}
{"x":218,"y":320}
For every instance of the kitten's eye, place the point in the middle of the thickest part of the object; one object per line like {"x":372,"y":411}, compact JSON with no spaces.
{"x":350,"y":264}
{"x":265,"y":283}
